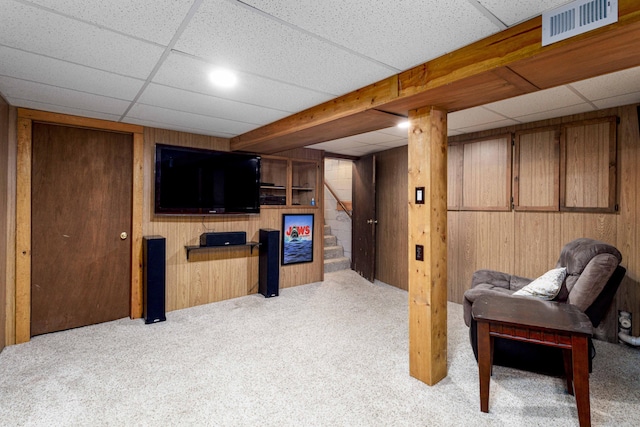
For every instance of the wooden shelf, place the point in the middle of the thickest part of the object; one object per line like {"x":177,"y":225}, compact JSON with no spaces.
{"x":300,"y":179}
{"x":189,"y":249}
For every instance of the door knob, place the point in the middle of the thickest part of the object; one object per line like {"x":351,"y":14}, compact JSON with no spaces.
{"x":124,"y":235}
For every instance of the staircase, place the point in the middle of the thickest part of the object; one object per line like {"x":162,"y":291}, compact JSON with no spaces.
{"x":334,"y":259}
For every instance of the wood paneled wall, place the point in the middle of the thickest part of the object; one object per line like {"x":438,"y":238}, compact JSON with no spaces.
{"x":208,"y":276}
{"x":225,"y":273}
{"x":11,"y":227}
{"x":4,"y":214}
{"x":529,"y":243}
{"x":392,"y":216}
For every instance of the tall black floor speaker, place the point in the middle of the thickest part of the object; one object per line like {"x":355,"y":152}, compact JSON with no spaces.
{"x":153,"y":278}
{"x":269,"y":269}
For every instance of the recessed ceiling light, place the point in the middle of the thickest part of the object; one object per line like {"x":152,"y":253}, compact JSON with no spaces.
{"x":223,"y":78}
{"x":403,"y":125}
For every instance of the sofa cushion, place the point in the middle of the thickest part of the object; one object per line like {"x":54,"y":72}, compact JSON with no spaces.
{"x":545,"y":287}
{"x":492,"y":278}
{"x":592,"y":280}
{"x":575,"y":255}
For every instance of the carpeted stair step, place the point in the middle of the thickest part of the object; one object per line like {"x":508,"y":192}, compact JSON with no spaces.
{"x":336,"y":264}
{"x":332,"y":252}
{"x":334,"y":259}
{"x":330,"y":241}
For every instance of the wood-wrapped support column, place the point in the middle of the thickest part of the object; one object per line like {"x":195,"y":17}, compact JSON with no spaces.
{"x":427,"y":225}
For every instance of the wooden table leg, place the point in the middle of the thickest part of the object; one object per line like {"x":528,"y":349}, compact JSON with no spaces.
{"x":484,"y":364}
{"x":580,"y":357}
{"x":568,"y":369}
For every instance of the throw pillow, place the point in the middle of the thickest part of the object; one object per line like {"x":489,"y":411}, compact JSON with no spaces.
{"x":545,"y":287}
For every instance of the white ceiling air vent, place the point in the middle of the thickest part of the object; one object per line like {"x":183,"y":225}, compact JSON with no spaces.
{"x":576,"y":18}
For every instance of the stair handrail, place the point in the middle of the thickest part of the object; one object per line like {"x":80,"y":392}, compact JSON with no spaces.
{"x":326,"y":184}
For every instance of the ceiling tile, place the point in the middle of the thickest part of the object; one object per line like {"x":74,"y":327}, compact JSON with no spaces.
{"x":35,"y":30}
{"x":29,"y":91}
{"x":350,"y":140}
{"x":483,"y":126}
{"x":36,"y":105}
{"x":400,"y":34}
{"x":472,"y":117}
{"x":375,"y":137}
{"x":360,"y":151}
{"x":191,"y":74}
{"x":610,"y":85}
{"x":38,"y":68}
{"x":394,"y":144}
{"x":337,"y":145}
{"x":233,"y":36}
{"x":181,"y":100}
{"x":396,"y":131}
{"x":153,"y":20}
{"x":558,"y":112}
{"x":536,"y":102}
{"x":615,"y":101}
{"x":172,"y":126}
{"x":514,"y":11}
{"x":327,"y":146}
{"x":205,"y":124}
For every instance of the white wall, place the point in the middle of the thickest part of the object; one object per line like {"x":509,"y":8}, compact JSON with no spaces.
{"x":338,"y":174}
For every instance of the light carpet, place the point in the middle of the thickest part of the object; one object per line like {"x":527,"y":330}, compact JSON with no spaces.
{"x":333,"y":353}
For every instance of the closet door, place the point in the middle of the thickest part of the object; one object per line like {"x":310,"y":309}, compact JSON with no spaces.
{"x":81,"y":222}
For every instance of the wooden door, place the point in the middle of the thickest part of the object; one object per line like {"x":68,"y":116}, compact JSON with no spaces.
{"x":81,"y":222}
{"x":364,"y":217}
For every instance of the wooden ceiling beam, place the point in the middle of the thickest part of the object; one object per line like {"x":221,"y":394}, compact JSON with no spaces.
{"x":359,"y":101}
{"x":510,"y":63}
{"x":355,"y":124}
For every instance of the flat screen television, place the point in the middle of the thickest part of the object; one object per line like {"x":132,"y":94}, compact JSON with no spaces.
{"x":192,"y":181}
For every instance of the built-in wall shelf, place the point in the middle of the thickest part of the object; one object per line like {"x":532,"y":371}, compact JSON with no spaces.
{"x":288,"y":182}
{"x":189,"y":249}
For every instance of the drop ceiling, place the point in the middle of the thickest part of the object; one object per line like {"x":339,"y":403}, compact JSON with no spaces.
{"x":147,"y":62}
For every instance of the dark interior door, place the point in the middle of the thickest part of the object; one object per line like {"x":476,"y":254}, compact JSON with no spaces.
{"x":81,"y":221}
{"x":364,"y":217}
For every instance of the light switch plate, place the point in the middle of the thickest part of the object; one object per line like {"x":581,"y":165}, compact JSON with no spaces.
{"x":419,"y":195}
